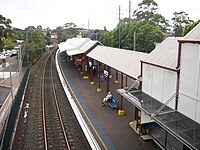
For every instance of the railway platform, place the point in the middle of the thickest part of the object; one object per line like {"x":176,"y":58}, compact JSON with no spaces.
{"x":110,"y":130}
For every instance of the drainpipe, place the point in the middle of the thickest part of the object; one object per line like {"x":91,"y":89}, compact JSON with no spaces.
{"x":126,"y":86}
{"x":178,"y":75}
{"x":140,"y":76}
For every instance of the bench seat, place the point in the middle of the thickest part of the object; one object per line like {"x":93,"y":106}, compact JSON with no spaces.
{"x":113,"y":103}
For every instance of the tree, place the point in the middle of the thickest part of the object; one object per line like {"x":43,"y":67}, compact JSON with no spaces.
{"x":69,"y":25}
{"x":147,"y":12}
{"x":4,"y":30}
{"x":147,"y":33}
{"x":36,"y":43}
{"x":48,"y":38}
{"x":17,"y":34}
{"x":39,"y":28}
{"x":71,"y":30}
{"x":60,"y":34}
{"x":105,"y":38}
{"x":180,"y":19}
{"x":190,"y":26}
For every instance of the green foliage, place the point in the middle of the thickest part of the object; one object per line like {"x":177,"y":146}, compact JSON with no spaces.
{"x":147,"y":12}
{"x":36,"y":45}
{"x":17,"y":34}
{"x":48,"y":38}
{"x":8,"y":45}
{"x":180,"y":19}
{"x":60,"y":34}
{"x":105,"y":38}
{"x":69,"y":30}
{"x":4,"y":30}
{"x":190,"y":26}
{"x":147,"y":33}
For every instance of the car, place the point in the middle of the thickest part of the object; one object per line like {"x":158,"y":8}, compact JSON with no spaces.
{"x":8,"y":53}
{"x":14,"y":52}
{"x":2,"y":56}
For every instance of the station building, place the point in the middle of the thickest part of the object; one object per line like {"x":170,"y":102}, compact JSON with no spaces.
{"x":165,"y":90}
{"x":167,"y":106}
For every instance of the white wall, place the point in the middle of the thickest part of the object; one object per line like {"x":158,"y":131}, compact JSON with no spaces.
{"x":159,"y":83}
{"x":189,"y":97}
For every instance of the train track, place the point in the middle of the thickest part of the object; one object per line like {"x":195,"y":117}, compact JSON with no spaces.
{"x":50,"y":122}
{"x":58,"y":130}
{"x":53,"y":128}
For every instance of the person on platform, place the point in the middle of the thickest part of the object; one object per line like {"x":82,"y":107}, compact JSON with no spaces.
{"x":108,"y":96}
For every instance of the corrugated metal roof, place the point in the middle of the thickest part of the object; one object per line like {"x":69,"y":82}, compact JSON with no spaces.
{"x":88,"y":45}
{"x":81,"y":48}
{"x":166,"y":54}
{"x":64,"y":46}
{"x":194,"y":34}
{"x":125,"y":61}
{"x":73,"y":52}
{"x":77,"y":41}
{"x":72,"y":43}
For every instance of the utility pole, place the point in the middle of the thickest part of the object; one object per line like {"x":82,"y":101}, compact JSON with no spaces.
{"x":134,"y":41}
{"x":88,"y":28}
{"x":129,"y":13}
{"x":119,"y":27}
{"x":27,"y":55}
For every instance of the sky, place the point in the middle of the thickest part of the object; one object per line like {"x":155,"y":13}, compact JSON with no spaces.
{"x":95,"y":14}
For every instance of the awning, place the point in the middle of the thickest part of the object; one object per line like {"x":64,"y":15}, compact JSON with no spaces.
{"x":179,"y":125}
{"x":143,"y":101}
{"x":187,"y":130}
{"x":74,"y":52}
{"x":166,"y":54}
{"x":64,"y":46}
{"x":83,"y":48}
{"x":72,"y":43}
{"x":125,"y":61}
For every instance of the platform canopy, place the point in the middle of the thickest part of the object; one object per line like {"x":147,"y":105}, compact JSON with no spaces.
{"x":83,"y":48}
{"x":125,"y":61}
{"x":179,"y":125}
{"x":64,"y":46}
{"x":72,"y":43}
{"x":166,"y":54}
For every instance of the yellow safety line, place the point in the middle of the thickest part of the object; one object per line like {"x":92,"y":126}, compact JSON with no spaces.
{"x":84,"y":112}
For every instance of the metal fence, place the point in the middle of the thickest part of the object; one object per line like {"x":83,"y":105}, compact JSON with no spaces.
{"x":7,"y":132}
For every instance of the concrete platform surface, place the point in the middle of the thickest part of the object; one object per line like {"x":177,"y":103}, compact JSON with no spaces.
{"x":111,"y":130}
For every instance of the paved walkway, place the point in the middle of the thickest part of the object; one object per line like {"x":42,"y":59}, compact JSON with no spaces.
{"x":113,"y":130}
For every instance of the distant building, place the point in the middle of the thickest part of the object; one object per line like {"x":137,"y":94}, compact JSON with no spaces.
{"x":54,"y":39}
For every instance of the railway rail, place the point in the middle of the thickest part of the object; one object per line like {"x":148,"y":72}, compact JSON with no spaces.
{"x":53,"y":126}
{"x":51,"y":122}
